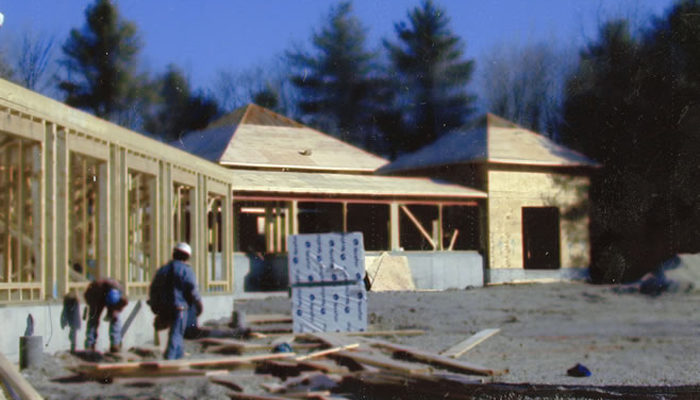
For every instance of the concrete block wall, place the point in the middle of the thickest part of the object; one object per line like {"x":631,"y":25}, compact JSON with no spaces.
{"x":47,"y":323}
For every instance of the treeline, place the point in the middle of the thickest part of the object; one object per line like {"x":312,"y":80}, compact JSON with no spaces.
{"x":629,"y":101}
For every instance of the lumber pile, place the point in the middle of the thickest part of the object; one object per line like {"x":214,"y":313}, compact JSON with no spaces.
{"x":310,"y":365}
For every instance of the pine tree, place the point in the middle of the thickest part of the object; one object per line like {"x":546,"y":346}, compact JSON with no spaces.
{"x":338,"y":82}
{"x":177,"y":109}
{"x":100,"y":61}
{"x":430,"y":78}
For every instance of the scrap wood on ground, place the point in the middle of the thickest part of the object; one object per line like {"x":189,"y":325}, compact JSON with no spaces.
{"x":317,"y":366}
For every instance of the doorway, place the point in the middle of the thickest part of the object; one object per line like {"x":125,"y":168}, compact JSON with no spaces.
{"x":541,"y":238}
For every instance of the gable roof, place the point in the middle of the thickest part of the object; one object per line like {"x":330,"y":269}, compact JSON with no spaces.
{"x":255,"y":137}
{"x":491,"y":139}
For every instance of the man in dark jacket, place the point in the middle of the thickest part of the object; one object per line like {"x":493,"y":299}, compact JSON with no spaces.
{"x":99,"y":294}
{"x":174,"y":291}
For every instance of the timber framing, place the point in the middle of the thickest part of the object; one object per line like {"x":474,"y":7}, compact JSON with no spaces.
{"x":84,"y":198}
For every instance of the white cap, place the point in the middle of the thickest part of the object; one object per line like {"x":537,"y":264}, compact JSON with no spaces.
{"x":184,"y":248}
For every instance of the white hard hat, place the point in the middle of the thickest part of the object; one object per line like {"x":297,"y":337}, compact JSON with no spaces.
{"x":184,"y":248}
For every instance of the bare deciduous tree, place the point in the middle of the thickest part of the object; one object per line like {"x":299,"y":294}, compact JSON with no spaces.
{"x":34,"y":58}
{"x":233,"y":89}
{"x":524,"y":83}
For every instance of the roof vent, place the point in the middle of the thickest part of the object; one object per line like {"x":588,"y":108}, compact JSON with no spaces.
{"x":305,"y":152}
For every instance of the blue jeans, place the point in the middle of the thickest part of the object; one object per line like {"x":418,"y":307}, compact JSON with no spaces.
{"x":176,"y":345}
{"x":93,"y":323}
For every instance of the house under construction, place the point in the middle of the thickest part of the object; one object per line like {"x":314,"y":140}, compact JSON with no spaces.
{"x":84,"y":198}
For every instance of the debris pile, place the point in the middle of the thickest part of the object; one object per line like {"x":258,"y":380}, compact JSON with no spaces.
{"x":319,"y":365}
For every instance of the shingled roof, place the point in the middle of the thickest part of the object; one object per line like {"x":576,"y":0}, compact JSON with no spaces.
{"x":490,"y":139}
{"x":255,"y":137}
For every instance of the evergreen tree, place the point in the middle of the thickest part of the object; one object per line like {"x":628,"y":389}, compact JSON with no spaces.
{"x":337,"y":82}
{"x":430,"y":78}
{"x":634,"y":105}
{"x":100,"y":61}
{"x":177,"y":109}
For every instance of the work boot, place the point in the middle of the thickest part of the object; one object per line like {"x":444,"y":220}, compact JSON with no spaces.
{"x":115,"y":348}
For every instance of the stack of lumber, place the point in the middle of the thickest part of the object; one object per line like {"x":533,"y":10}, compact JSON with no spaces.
{"x":321,"y":366}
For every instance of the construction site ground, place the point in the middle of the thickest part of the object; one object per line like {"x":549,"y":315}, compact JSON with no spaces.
{"x":621,"y":336}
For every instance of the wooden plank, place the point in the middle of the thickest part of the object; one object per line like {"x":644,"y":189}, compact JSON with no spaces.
{"x":101,"y":375}
{"x":326,"y":366}
{"x":381,"y":361}
{"x":330,"y":339}
{"x":322,"y":353}
{"x":227,"y":381}
{"x":250,"y":396}
{"x":239,"y":349}
{"x":399,"y":332}
{"x":183,"y":364}
{"x":434,"y":359}
{"x":418,"y":225}
{"x":19,"y":384}
{"x":460,"y":348}
{"x":259,"y":319}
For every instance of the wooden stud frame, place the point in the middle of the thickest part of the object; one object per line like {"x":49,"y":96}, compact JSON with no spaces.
{"x":75,"y":187}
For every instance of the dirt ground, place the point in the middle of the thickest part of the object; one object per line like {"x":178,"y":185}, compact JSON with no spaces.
{"x":623,"y":337}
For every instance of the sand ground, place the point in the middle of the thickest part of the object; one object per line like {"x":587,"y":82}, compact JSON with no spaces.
{"x":623,"y":338}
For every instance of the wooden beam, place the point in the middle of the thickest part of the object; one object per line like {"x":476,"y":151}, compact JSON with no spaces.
{"x":326,"y":352}
{"x":394,"y":228}
{"x":62,"y":217}
{"x":381,"y":361}
{"x":19,"y":384}
{"x":104,"y":221}
{"x":418,"y":225}
{"x":268,"y":319}
{"x":460,"y":348}
{"x":49,"y":184}
{"x":434,"y":359}
{"x":453,"y":239}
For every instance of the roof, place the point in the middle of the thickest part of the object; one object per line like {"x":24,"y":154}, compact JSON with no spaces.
{"x":314,"y":183}
{"x":491,"y":139}
{"x":253,"y":136}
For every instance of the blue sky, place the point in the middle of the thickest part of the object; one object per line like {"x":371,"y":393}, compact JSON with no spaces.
{"x":207,"y":36}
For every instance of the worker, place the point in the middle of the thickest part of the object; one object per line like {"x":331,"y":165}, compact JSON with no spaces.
{"x":70,"y":317}
{"x":172,"y":293}
{"x":99,"y":294}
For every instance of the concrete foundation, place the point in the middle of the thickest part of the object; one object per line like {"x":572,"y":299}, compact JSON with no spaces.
{"x":446,"y":269}
{"x":47,"y":323}
{"x":430,"y":270}
{"x":516,"y":275}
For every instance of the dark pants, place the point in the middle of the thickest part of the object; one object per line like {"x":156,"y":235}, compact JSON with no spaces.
{"x":176,"y":347}
{"x":93,"y":323}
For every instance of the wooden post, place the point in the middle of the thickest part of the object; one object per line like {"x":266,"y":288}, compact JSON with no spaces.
{"x":37,"y":197}
{"x":294,"y":217}
{"x":227,"y":236}
{"x":49,"y":182}
{"x":62,"y":215}
{"x":168,"y":205}
{"x":104,"y":220}
{"x":440,"y":229}
{"x":17,"y":382}
{"x":155,"y":222}
{"x":394,"y":230}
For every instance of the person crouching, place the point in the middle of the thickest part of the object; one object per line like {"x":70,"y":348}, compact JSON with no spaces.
{"x":99,"y":294}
